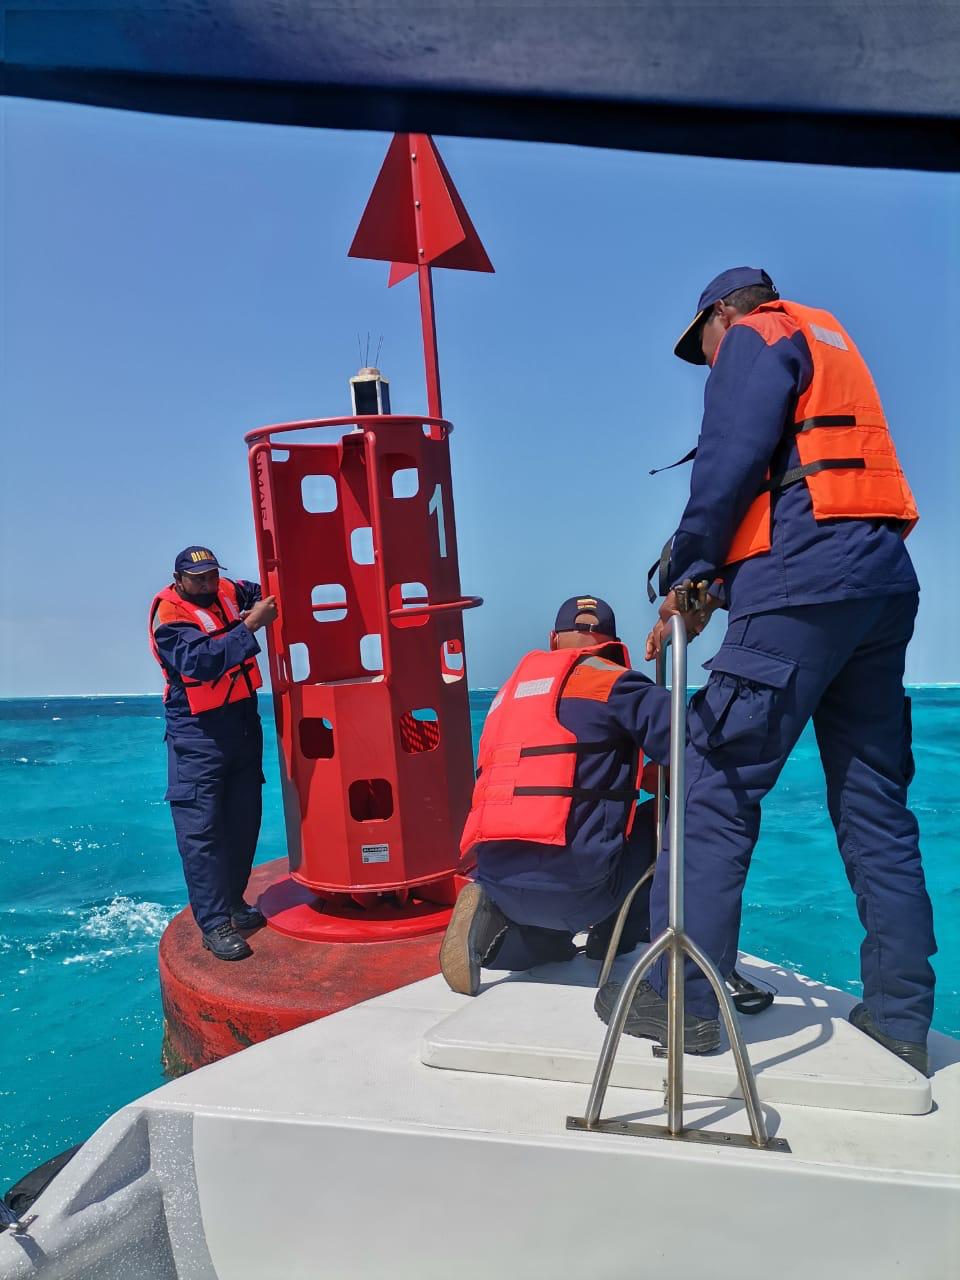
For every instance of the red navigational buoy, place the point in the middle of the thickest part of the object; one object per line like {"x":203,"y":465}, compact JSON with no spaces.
{"x":357,"y":542}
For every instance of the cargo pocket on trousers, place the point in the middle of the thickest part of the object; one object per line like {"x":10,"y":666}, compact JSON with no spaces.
{"x":181,"y":792}
{"x":907,"y":762}
{"x":738,"y":704}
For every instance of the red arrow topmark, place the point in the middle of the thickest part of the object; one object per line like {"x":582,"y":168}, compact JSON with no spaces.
{"x":415,"y":216}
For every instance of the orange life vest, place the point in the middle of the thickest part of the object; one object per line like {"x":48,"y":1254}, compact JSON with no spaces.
{"x":847,"y":458}
{"x":527,"y":759}
{"x":235,"y":684}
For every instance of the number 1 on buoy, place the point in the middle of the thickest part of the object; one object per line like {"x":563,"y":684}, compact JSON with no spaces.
{"x":435,"y":507}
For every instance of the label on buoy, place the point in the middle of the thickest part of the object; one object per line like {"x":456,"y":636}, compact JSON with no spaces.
{"x":375,"y":852}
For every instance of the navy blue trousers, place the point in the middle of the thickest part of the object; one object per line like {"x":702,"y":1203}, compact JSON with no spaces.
{"x":841,"y":664}
{"x":542,"y":922}
{"x":215,"y":794}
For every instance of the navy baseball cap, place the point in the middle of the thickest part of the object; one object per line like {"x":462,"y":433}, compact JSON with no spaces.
{"x":571,"y":609}
{"x":727,"y":282}
{"x":196,"y":560}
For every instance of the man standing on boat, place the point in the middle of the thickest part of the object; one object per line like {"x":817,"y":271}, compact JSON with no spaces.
{"x":799,"y":508}
{"x":202,"y":634}
{"x":555,"y":828}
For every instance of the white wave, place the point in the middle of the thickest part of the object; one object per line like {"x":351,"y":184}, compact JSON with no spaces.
{"x":98,"y":957}
{"x":124,"y":918}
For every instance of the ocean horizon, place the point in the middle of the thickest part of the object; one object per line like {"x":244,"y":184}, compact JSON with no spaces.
{"x":266,"y":693}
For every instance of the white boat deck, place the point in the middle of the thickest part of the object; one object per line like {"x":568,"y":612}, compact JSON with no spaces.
{"x":366,"y":1066}
{"x":334,"y":1151}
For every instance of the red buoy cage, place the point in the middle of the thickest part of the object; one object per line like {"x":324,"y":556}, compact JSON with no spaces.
{"x":357,"y":540}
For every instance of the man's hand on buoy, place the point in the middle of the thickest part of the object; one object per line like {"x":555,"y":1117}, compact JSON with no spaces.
{"x":262,"y":614}
{"x":694,"y":621}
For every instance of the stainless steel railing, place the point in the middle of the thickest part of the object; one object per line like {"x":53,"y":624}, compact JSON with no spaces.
{"x":678,"y":945}
{"x":660,"y":811}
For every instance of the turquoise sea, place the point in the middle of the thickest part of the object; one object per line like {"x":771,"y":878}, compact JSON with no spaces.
{"x":90,"y":875}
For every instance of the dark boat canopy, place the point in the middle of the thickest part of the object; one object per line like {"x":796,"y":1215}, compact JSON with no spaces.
{"x":849,"y":82}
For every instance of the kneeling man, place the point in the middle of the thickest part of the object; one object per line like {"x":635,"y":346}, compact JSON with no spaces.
{"x":555,"y":828}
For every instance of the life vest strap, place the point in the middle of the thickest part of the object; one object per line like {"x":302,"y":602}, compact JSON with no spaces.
{"x":242,"y":670}
{"x":786,"y":478}
{"x":627,"y":795}
{"x":826,"y":420}
{"x":568,"y":749}
{"x":663,"y":565}
{"x":245,"y":668}
{"x":687,"y":457}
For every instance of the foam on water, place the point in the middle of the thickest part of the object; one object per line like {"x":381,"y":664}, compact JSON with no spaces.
{"x":123,"y":917}
{"x":128,"y":924}
{"x":91,"y":876}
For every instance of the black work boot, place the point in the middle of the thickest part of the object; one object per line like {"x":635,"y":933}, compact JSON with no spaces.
{"x":474,"y":927}
{"x":647,"y":1018}
{"x":598,"y":939}
{"x":747,"y":996}
{"x":246,"y":917}
{"x":225,"y":943}
{"x":912,"y":1052}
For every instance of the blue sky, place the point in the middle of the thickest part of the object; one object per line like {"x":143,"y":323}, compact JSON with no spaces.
{"x":170,"y":284}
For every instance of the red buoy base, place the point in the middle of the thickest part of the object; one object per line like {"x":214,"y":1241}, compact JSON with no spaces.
{"x":213,"y":1008}
{"x":300,"y":912}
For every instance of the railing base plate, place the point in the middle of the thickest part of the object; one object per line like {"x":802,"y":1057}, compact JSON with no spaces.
{"x":633,"y":1129}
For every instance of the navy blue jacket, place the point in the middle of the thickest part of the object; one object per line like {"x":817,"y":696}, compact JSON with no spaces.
{"x":748,"y":404}
{"x":601,"y":701}
{"x":187,"y":651}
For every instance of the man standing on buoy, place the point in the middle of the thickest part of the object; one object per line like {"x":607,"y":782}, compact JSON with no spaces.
{"x":554,"y":824}
{"x":799,"y":505}
{"x":201,"y":632}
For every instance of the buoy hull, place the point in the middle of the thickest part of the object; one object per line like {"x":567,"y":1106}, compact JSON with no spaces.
{"x":213,"y":1008}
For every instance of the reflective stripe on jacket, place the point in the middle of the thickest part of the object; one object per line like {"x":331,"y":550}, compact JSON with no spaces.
{"x":527,"y":759}
{"x":847,"y":457}
{"x":238,"y":682}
